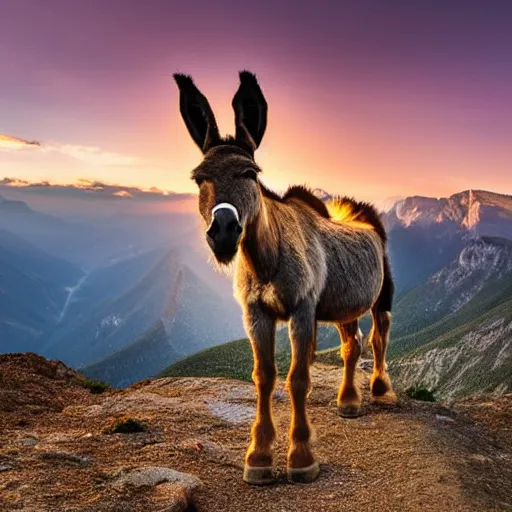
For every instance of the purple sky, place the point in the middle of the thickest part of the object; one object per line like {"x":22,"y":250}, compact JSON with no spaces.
{"x":372,"y":98}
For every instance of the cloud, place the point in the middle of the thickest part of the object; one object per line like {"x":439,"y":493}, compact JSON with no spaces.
{"x":94,"y":155}
{"x":87,"y":189}
{"x":89,"y":154}
{"x":10,"y":143}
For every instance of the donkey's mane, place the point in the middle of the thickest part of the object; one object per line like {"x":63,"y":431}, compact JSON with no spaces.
{"x":305,"y":195}
{"x":347,"y":209}
{"x":341,"y":209}
{"x":301,"y":193}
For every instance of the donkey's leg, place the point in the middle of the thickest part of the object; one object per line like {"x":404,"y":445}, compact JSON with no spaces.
{"x":380,"y":383}
{"x":349,"y":399}
{"x":302,"y":466}
{"x":261,"y":330}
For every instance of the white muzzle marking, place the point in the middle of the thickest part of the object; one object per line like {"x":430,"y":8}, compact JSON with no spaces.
{"x":228,"y":206}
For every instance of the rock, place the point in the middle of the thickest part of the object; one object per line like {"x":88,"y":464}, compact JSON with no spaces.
{"x":173,"y":490}
{"x":444,"y":419}
{"x":280,"y":394}
{"x":151,"y":476}
{"x":212,"y":451}
{"x":28,"y":441}
{"x":5,"y":467}
{"x":232,"y":413}
{"x":66,"y":457}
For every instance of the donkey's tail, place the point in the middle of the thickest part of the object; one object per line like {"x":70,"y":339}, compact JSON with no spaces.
{"x":385,"y":298}
{"x":346,"y":210}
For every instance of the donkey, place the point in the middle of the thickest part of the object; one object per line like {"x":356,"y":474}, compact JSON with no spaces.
{"x":297,"y":259}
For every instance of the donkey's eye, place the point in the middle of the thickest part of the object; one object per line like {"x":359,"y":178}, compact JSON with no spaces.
{"x":199,"y":181}
{"x":249,"y":173}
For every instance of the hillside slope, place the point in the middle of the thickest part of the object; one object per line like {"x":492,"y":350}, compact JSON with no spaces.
{"x":169,"y":292}
{"x":58,"y":456}
{"x":234,"y":360}
{"x":34,"y":287}
{"x":471,"y":359}
{"x":480,"y":273}
{"x":195,"y":317}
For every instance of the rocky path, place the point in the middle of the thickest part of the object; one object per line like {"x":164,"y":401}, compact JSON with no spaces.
{"x":415,"y":456}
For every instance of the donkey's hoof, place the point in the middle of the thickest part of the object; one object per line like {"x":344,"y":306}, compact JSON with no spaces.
{"x":254,"y":475}
{"x":349,"y":411}
{"x":304,"y":475}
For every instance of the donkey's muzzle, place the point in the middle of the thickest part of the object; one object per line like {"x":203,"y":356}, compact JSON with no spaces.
{"x":224,"y":234}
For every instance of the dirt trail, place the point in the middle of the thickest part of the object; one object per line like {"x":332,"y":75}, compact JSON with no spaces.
{"x":415,"y":456}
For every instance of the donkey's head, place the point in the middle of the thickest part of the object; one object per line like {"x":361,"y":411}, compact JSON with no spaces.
{"x":229,"y":193}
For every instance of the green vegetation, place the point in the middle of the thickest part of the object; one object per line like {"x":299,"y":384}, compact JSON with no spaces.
{"x":231,"y":360}
{"x":329,"y":356}
{"x":234,"y":360}
{"x":421,"y":393}
{"x":126,"y":426}
{"x":96,"y":387}
{"x":494,"y":295}
{"x":452,"y":355}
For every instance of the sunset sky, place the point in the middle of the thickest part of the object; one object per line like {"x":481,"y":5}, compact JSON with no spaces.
{"x":373,"y":98}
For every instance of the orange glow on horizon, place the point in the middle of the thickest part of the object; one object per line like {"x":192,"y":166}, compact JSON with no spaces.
{"x":363,"y":153}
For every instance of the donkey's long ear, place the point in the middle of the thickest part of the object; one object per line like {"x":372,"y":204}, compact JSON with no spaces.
{"x":197,"y":113}
{"x":250,"y":112}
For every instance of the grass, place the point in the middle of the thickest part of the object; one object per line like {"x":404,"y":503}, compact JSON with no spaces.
{"x":231,"y":360}
{"x":329,"y":356}
{"x":234,"y":360}
{"x":96,"y":387}
{"x":421,"y":393}
{"x":126,"y":426}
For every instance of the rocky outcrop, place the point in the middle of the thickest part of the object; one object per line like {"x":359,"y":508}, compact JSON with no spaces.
{"x":479,"y":211}
{"x":476,"y":364}
{"x":415,"y":456}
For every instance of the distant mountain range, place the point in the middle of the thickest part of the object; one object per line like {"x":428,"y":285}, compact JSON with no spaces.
{"x":33,"y":291}
{"x":130,"y":276}
{"x":123,"y":297}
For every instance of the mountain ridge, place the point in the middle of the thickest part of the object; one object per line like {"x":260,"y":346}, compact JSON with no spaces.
{"x":464,"y":209}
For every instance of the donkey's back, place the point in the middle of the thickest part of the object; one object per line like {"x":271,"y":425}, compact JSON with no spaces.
{"x":340,"y":247}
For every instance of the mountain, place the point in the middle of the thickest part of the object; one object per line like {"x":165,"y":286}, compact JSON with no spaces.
{"x":472,"y":358}
{"x":453,"y":334}
{"x":425,"y":234}
{"x":482,"y":268}
{"x":192,"y":316}
{"x":34,"y":287}
{"x":478,"y":211}
{"x":98,"y":242}
{"x":132,"y":275}
{"x":107,"y":282}
{"x":195,"y":318}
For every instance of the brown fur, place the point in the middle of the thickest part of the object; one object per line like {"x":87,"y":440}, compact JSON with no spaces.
{"x":300,"y":260}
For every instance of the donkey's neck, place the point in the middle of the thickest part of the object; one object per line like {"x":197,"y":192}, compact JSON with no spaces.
{"x":260,"y":246}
